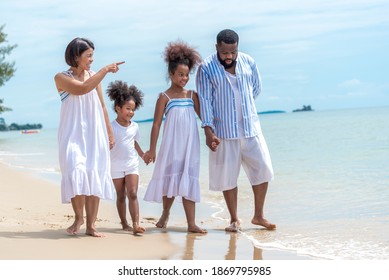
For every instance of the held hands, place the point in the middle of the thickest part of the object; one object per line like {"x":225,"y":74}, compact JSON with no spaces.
{"x":213,"y":143}
{"x":113,"y":67}
{"x":211,"y":140}
{"x":148,"y":157}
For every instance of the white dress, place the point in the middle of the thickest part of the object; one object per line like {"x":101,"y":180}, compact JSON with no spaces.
{"x":83,"y":147}
{"x":177,"y":167}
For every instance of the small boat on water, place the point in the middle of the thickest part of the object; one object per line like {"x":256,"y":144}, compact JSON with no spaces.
{"x":29,"y":131}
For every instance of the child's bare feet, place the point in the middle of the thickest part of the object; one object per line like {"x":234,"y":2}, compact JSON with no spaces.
{"x":196,"y":229}
{"x":233,"y":227}
{"x":75,"y":227}
{"x":138,"y":229}
{"x":126,"y":226}
{"x":94,"y":233}
{"x":162,"y":223}
{"x":263,"y":222}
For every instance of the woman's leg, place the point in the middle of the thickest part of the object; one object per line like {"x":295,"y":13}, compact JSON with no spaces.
{"x":91,"y":209}
{"x":78,"y":203}
{"x":190,"y":212}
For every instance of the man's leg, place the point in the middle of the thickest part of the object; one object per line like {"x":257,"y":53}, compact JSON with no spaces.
{"x":259,"y":202}
{"x":224,"y":167}
{"x":231,"y":198}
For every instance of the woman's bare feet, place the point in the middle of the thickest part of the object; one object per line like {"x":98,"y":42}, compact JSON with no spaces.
{"x":138,"y":229}
{"x":162,"y":223}
{"x":233,"y":227}
{"x":74,"y":229}
{"x":263,"y":222}
{"x":196,"y":229}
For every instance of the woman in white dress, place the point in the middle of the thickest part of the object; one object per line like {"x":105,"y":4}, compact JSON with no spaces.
{"x":84,"y":135}
{"x":177,"y":167}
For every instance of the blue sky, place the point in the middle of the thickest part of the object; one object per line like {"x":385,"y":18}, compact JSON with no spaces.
{"x":329,"y":54}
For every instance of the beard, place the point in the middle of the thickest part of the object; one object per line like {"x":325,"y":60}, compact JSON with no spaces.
{"x":225,"y":65}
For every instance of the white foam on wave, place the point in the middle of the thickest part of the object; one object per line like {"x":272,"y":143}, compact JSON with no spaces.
{"x":279,"y":246}
{"x":32,"y":169}
{"x":13,"y":154}
{"x":322,"y":247}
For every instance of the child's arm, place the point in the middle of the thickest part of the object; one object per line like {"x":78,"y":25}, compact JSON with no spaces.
{"x":158,"y":117}
{"x":196,"y":102}
{"x":139,"y":150}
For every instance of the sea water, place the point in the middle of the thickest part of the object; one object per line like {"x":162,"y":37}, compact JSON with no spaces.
{"x":329,"y":197}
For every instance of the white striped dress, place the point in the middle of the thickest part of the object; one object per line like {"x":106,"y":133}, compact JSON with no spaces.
{"x":177,"y":167}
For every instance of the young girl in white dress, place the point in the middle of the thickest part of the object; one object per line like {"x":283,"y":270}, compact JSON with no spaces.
{"x":177,"y":166}
{"x":126,"y":152}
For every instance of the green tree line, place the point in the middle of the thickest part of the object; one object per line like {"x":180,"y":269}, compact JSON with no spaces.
{"x":7,"y":69}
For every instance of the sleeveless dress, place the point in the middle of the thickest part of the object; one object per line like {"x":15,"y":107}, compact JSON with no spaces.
{"x":84,"y":157}
{"x":177,"y":167}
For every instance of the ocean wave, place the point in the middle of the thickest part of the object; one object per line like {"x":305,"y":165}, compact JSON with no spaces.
{"x":31,"y":168}
{"x":320,"y":247}
{"x":13,"y":154}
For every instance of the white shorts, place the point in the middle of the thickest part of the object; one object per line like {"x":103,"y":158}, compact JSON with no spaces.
{"x":224,"y":164}
{"x":122,"y":174}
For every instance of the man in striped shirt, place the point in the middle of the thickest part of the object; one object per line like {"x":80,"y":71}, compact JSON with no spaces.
{"x":227,"y":83}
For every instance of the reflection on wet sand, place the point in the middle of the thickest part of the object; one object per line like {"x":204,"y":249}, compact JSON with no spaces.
{"x":190,"y":250}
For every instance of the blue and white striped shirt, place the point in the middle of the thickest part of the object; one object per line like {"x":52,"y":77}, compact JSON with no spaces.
{"x":217,"y":104}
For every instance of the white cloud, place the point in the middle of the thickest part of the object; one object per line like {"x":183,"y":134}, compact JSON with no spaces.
{"x":350,"y":83}
{"x":356,"y":94}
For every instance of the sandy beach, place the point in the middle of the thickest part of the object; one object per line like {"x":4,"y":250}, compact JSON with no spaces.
{"x":33,"y":226}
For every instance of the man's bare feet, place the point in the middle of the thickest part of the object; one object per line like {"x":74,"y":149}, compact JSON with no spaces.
{"x":162,"y":223}
{"x":74,"y":229}
{"x":264,"y":223}
{"x":233,"y":227}
{"x":138,"y":229}
{"x":126,"y":226}
{"x":196,"y":229}
{"x":94,"y":233}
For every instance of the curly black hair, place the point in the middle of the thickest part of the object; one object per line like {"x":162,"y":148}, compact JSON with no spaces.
{"x":179,"y":52}
{"x":119,"y":92}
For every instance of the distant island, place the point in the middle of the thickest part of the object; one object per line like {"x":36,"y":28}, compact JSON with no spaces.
{"x":305,"y":108}
{"x":14,"y":126}
{"x":145,"y":120}
{"x":271,"y":112}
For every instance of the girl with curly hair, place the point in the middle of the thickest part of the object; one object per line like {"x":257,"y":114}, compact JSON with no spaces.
{"x":126,"y":151}
{"x":177,"y":167}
